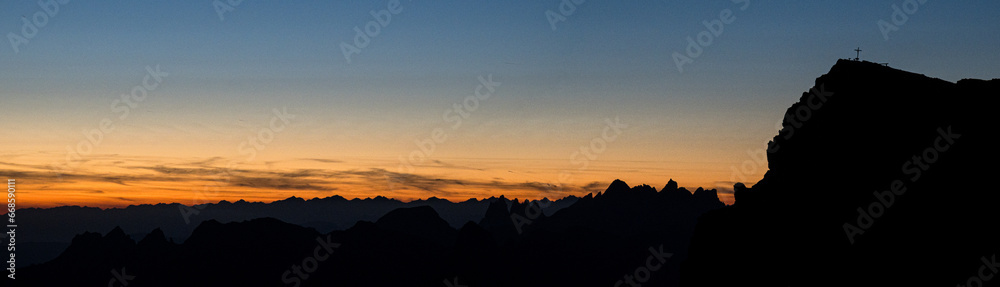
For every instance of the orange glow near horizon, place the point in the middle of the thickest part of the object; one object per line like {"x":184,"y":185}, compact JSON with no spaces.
{"x":111,"y":182}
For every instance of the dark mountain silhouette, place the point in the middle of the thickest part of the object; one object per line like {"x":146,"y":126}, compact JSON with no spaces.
{"x":420,"y":221}
{"x":826,"y":214}
{"x":216,"y":253}
{"x":497,"y":221}
{"x":47,"y":232}
{"x":602,"y":238}
{"x":875,"y":179}
{"x":413,"y":244}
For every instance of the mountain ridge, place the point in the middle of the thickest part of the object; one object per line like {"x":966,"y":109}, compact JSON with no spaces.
{"x":872,"y":178}
{"x":423,"y":246}
{"x":46,"y":232}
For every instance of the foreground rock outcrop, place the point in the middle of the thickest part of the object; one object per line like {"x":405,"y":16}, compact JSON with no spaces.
{"x":876,"y":179}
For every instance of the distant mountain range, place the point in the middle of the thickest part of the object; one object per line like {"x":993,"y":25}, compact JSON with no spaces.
{"x":46,"y":232}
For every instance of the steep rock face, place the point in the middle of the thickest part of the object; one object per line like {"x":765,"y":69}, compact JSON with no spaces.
{"x":825,"y":213}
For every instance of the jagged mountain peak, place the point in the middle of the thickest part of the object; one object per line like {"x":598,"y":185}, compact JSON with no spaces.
{"x":670,"y":187}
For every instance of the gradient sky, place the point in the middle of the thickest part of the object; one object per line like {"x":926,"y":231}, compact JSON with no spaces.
{"x":353,"y":121}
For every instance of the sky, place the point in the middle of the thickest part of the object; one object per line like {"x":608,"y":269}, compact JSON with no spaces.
{"x":112,"y":103}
